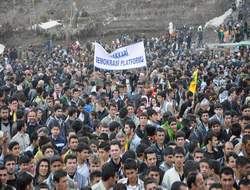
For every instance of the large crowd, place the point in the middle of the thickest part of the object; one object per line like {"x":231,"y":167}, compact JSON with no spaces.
{"x":65,"y":125}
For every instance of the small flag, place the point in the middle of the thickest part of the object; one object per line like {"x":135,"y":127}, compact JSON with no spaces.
{"x":193,"y":85}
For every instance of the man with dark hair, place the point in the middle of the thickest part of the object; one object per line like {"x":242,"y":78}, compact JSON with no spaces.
{"x":95,"y":177}
{"x":103,"y":152}
{"x":242,"y":167}
{"x":202,"y":127}
{"x":216,"y":186}
{"x":244,"y":184}
{"x":195,"y":181}
{"x":177,"y":172}
{"x":10,"y":164}
{"x":132,"y":180}
{"x":159,"y":145}
{"x":108,"y":178}
{"x":141,"y":129}
{"x":205,"y":167}
{"x":178,"y":185}
{"x":24,"y":181}
{"x":21,"y":137}
{"x":245,"y":146}
{"x":5,"y":122}
{"x":112,"y":115}
{"x":83,"y":151}
{"x":187,"y":104}
{"x":14,"y":148}
{"x":115,"y":151}
{"x":227,"y":178}
{"x":132,"y":138}
{"x":60,"y":180}
{"x":4,"y":178}
{"x":168,"y":159}
{"x":70,"y":162}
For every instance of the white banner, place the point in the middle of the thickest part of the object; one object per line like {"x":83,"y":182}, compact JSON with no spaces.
{"x":128,"y":57}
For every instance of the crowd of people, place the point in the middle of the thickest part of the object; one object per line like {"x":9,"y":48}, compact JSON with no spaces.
{"x":65,"y":125}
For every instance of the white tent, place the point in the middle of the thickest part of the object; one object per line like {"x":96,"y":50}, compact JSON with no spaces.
{"x":49,"y":24}
{"x":2,"y":47}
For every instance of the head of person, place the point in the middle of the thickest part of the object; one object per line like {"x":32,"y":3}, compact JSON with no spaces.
{"x":60,"y":179}
{"x":108,"y":175}
{"x":32,"y":116}
{"x":42,"y":186}
{"x":3,"y":175}
{"x":58,"y":111}
{"x":55,"y":130}
{"x":198,"y":155}
{"x":244,"y":184}
{"x":242,"y":166}
{"x":154,"y":172}
{"x":24,"y":181}
{"x":173,"y":123}
{"x":14,"y":148}
{"x":24,"y":162}
{"x":180,"y":139}
{"x":227,"y":119}
{"x":215,"y":127}
{"x":10,"y":164}
{"x":245,"y":110}
{"x":150,"y":184}
{"x":83,"y":151}
{"x":95,"y":177}
{"x":70,"y":162}
{"x":227,"y":148}
{"x":231,"y":158}
{"x":215,"y":186}
{"x":218,"y":109}
{"x":160,"y":136}
{"x":246,"y":144}
{"x":112,"y":109}
{"x":94,"y":163}
{"x":115,"y":150}
{"x":48,"y":150}
{"x":179,"y":157}
{"x":42,"y":168}
{"x":103,"y":151}
{"x":204,"y":167}
{"x":227,"y":178}
{"x":169,"y":156}
{"x":73,"y":142}
{"x":131,"y":170}
{"x":120,"y":186}
{"x":246,"y":130}
{"x":129,"y":127}
{"x":56,"y":163}
{"x":178,"y":185}
{"x":143,"y":119}
{"x":204,"y":116}
{"x":150,"y":158}
{"x":130,"y":108}
{"x":4,"y":112}
{"x":195,"y":181}
{"x":211,"y":139}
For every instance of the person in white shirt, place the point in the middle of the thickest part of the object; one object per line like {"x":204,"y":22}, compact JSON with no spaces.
{"x":132,"y":180}
{"x":176,"y":173}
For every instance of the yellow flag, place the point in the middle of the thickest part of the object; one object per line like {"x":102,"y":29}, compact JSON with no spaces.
{"x":193,"y":85}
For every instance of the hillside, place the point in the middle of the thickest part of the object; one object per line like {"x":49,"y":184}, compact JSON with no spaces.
{"x":98,"y":17}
